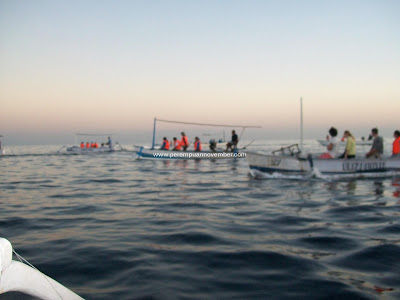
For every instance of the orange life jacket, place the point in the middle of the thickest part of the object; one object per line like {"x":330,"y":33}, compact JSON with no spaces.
{"x":177,"y":145}
{"x":396,"y":146}
{"x":166,"y":145}
{"x":87,"y":145}
{"x":197,"y":146}
{"x":184,"y":141}
{"x":82,"y":145}
{"x":96,"y":145}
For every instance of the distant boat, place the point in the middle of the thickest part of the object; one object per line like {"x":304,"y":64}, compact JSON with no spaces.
{"x":154,"y":153}
{"x":104,"y":144}
{"x":18,"y":277}
{"x":2,"y":148}
{"x":358,"y":142}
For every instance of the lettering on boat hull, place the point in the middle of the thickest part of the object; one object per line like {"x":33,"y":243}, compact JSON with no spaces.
{"x":363,"y":166}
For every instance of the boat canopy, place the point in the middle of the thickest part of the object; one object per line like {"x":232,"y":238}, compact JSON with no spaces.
{"x":199,"y":124}
{"x":91,"y":136}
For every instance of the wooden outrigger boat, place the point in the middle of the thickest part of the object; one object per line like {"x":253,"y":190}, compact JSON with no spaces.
{"x":154,"y":152}
{"x":104,"y":144}
{"x":291,"y":160}
{"x":16,"y":276}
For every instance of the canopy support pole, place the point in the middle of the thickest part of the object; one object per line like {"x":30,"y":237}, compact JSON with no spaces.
{"x":301,"y":124}
{"x":154,"y":134}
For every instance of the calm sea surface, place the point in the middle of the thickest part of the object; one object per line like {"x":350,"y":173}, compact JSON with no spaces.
{"x":110,"y":226}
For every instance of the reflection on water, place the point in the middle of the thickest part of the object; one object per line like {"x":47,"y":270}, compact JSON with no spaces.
{"x":113,"y":227}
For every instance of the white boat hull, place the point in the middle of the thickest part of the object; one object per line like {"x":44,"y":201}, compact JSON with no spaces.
{"x":18,"y":277}
{"x":147,"y":153}
{"x":269,"y":163}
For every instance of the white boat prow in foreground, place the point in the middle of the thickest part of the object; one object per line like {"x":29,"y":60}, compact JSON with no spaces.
{"x":18,"y":277}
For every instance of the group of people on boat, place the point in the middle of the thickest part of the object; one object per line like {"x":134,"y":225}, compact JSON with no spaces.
{"x":180,"y":145}
{"x":92,"y":145}
{"x":183,"y":143}
{"x":375,"y":152}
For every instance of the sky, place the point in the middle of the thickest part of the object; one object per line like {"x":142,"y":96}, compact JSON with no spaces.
{"x":112,"y":66}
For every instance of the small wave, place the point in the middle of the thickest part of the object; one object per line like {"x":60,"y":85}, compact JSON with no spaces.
{"x":382,"y":258}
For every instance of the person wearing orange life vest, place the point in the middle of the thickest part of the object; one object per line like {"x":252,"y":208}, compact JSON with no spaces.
{"x":396,"y":144}
{"x":184,"y":141}
{"x":165,"y":145}
{"x":82,"y":145}
{"x":177,"y":144}
{"x":87,"y":145}
{"x":96,"y":145}
{"x":197,"y":144}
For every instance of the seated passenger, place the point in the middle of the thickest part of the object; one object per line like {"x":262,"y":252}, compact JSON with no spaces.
{"x":82,"y":145}
{"x":350,"y":151}
{"x":396,"y":144}
{"x":184,"y":141}
{"x":213,"y":145}
{"x":177,"y":144}
{"x":233,"y":143}
{"x":377,"y":145}
{"x":333,"y":146}
{"x":96,"y":145}
{"x":197,"y":144}
{"x":165,"y":145}
{"x":87,"y":145}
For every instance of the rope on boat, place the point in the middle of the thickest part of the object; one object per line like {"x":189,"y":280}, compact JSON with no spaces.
{"x":118,"y":144}
{"x":248,"y":144}
{"x":61,"y":149}
{"x":23,"y":260}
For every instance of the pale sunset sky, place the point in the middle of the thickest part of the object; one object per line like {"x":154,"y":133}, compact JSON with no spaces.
{"x":94,"y":66}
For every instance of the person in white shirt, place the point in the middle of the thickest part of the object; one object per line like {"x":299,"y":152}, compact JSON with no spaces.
{"x":333,"y":146}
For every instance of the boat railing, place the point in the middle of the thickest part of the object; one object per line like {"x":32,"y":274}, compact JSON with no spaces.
{"x":291,"y":150}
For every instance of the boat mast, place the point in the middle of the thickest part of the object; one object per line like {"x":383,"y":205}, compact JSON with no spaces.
{"x":154,"y":134}
{"x":301,"y":124}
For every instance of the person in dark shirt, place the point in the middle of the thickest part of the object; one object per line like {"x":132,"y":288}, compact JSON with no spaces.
{"x":377,"y":145}
{"x":233,"y":143}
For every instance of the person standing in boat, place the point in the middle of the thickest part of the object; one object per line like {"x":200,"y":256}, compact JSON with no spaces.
{"x":333,"y":146}
{"x":177,"y":144}
{"x":396,"y":144}
{"x":109,"y":142}
{"x":233,"y":143}
{"x":184,"y":141}
{"x":350,"y":151}
{"x":377,"y":145}
{"x":197,"y":144}
{"x":165,"y":145}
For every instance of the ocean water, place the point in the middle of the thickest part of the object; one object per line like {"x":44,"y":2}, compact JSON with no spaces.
{"x":109,"y":226}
